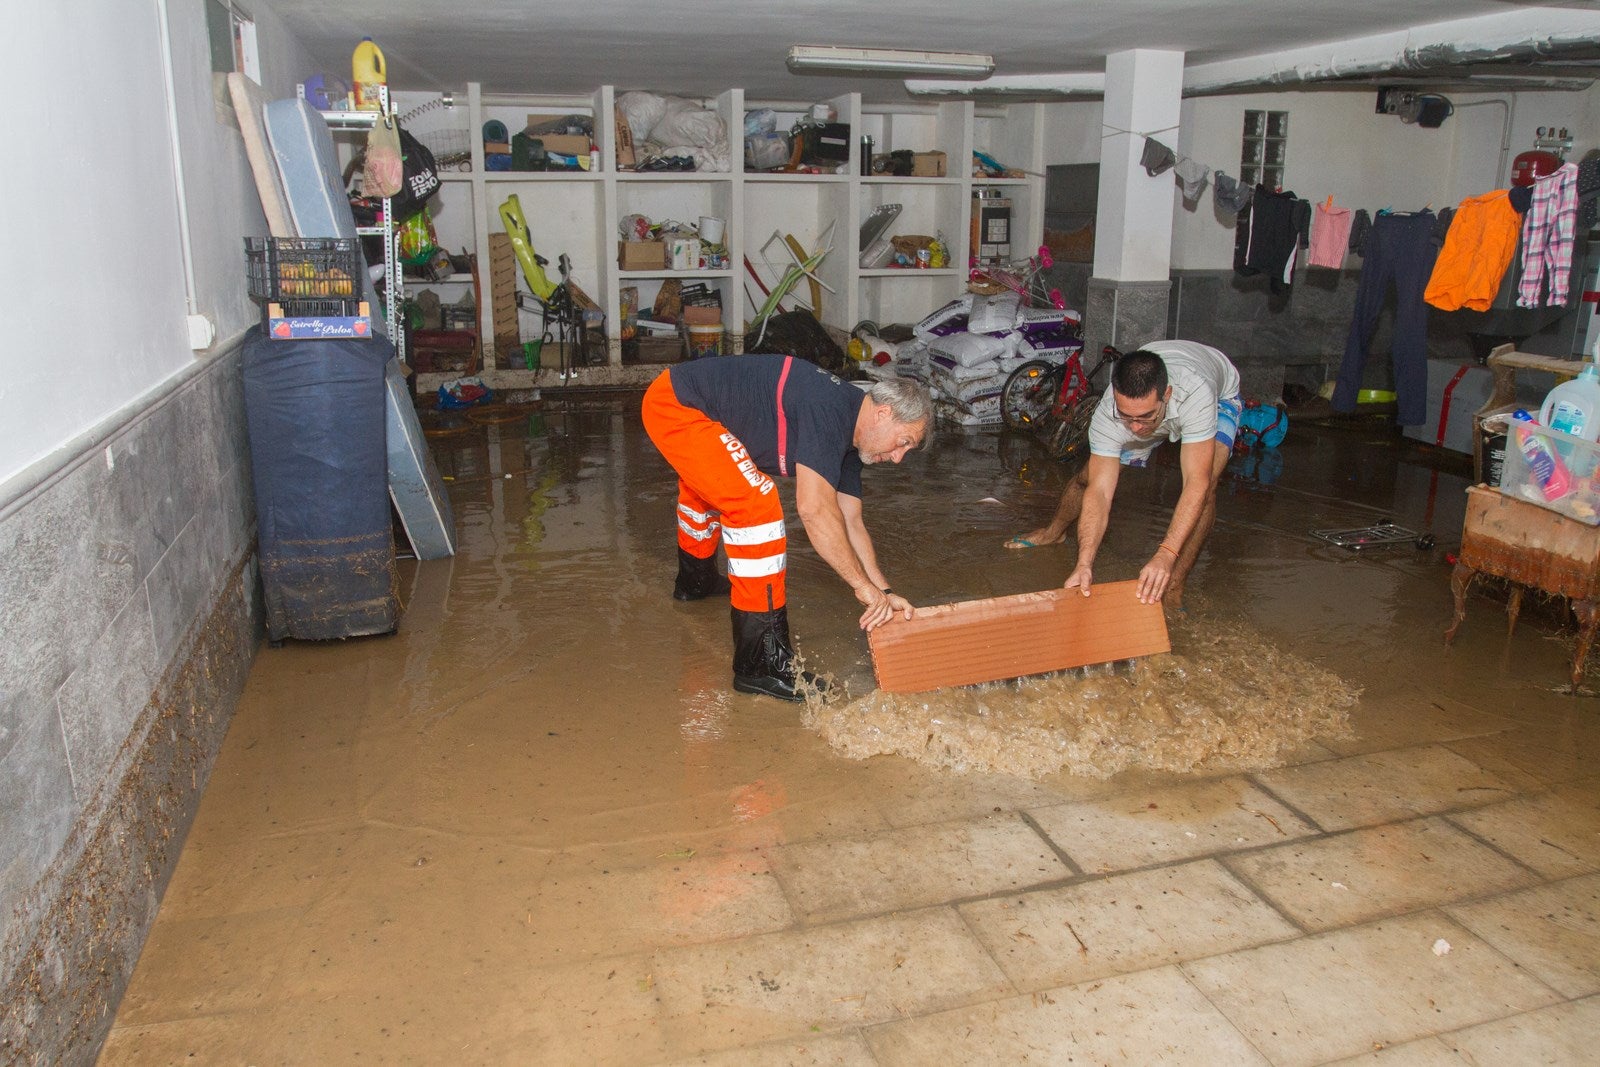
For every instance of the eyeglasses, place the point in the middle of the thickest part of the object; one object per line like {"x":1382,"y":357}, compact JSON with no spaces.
{"x":1152,"y":417}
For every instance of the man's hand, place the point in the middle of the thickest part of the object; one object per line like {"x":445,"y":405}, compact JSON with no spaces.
{"x":1080,"y":578}
{"x":880,"y":606}
{"x":1155,"y":576}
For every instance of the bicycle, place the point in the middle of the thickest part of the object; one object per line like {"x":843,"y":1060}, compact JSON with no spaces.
{"x":1055,"y":402}
{"x":1025,"y":277}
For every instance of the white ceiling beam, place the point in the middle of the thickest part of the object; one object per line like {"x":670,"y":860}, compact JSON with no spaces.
{"x":1451,"y":43}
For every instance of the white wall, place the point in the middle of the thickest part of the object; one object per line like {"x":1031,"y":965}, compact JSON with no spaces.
{"x":92,"y":294}
{"x":1072,"y":132}
{"x":1338,"y":145}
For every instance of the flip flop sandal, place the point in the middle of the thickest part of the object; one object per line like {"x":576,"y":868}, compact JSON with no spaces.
{"x":1022,"y":541}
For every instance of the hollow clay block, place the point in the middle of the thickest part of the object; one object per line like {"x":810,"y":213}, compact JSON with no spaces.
{"x":1008,"y":637}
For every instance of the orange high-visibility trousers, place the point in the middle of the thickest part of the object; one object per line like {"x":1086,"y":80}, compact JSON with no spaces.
{"x":721,"y":496}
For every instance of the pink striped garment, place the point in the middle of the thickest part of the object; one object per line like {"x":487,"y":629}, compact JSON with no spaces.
{"x":1547,"y":236}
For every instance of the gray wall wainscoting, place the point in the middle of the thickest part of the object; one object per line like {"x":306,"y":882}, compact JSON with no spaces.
{"x":1296,"y":336}
{"x":130,"y":618}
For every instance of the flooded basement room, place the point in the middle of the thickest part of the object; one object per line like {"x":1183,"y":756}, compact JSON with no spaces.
{"x":805,"y":535}
{"x":537,"y":825}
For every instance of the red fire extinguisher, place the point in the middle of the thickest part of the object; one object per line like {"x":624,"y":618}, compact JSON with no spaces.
{"x":1530,"y":166}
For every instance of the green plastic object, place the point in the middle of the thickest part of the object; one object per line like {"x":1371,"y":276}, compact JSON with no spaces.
{"x":522,"y":244}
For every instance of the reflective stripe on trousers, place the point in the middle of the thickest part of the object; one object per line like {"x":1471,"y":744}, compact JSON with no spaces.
{"x":721,"y":497}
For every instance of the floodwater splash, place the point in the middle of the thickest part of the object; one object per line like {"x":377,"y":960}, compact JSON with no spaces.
{"x":1226,"y":698}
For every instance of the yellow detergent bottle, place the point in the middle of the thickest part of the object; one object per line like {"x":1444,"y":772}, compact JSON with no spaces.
{"x":369,"y":75}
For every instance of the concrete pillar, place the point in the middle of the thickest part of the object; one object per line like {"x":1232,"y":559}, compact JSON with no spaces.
{"x":1131,"y":285}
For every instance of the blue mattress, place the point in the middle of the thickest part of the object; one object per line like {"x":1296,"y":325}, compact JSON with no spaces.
{"x":414,"y":483}
{"x":302,"y":148}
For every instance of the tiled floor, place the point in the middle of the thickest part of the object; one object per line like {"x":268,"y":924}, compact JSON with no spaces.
{"x":535,"y":827}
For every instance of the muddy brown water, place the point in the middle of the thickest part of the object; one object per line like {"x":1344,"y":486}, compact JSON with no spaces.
{"x":566,"y":519}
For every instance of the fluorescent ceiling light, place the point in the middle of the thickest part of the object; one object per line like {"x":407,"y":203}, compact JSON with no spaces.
{"x":811,"y":58}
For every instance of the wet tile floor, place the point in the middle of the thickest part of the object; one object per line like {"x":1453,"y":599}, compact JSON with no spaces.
{"x":536,"y":826}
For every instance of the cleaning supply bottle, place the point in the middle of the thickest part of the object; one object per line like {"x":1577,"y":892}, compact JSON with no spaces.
{"x":369,"y":75}
{"x":1574,"y":407}
{"x":1549,"y":473}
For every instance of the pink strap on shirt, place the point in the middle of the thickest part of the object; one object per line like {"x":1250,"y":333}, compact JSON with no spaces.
{"x":783,"y":423}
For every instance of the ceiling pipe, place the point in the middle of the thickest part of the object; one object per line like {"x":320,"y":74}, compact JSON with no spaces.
{"x":1544,"y":33}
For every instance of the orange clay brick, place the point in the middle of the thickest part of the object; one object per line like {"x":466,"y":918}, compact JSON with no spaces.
{"x":1008,"y":637}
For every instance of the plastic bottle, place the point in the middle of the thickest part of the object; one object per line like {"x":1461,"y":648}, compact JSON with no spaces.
{"x":1574,"y":407}
{"x":369,"y":75}
{"x":1548,"y":471}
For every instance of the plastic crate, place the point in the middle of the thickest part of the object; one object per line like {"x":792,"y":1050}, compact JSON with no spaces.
{"x":1575,"y":492}
{"x":298,"y":271}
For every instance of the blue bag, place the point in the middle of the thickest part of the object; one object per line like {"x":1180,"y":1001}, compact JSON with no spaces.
{"x":1262,"y":424}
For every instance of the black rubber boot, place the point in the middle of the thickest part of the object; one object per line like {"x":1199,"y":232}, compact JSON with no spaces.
{"x":698,"y":578}
{"x":763,"y":658}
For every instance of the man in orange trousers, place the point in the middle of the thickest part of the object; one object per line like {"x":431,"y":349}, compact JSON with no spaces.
{"x":729,"y":425}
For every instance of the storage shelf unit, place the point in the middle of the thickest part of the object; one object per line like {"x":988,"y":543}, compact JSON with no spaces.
{"x":578,"y":213}
{"x":393,"y":282}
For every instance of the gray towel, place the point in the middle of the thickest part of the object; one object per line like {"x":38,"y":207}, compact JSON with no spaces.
{"x":1193,"y":176}
{"x":1157,"y":157}
{"x":1231,"y":196}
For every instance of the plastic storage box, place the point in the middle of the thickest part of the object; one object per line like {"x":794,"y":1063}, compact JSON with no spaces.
{"x":1574,"y":487}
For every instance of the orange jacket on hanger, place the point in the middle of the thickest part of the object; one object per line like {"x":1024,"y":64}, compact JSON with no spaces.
{"x":1477,"y":251}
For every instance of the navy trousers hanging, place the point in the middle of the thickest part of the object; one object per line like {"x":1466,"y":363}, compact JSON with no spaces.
{"x":1400,"y":252}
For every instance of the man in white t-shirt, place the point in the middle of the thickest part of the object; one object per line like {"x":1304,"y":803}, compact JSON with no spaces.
{"x":1178,"y":390}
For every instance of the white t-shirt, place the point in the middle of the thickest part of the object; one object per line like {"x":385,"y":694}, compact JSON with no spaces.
{"x":1199,"y":375}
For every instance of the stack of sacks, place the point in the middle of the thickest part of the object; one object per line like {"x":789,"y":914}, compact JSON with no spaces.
{"x":911,"y":361}
{"x":965,"y":373}
{"x":974,"y":344}
{"x":1048,"y":333}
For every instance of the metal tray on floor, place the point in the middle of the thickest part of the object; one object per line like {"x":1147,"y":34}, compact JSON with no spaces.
{"x":1383,"y":533}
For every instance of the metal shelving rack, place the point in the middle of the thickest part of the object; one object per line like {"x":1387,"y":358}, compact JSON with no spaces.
{"x":393,"y":279}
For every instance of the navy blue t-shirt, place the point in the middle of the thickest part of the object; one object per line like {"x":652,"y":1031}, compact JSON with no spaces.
{"x":741,"y":392}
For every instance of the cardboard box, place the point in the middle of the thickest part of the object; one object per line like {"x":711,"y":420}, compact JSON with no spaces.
{"x":641,"y":255}
{"x":648,"y":349}
{"x":624,"y":137}
{"x":694,"y":315}
{"x":927,"y":165}
{"x":565,"y":144}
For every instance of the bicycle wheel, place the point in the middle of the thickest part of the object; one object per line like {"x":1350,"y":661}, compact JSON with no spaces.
{"x":1070,"y":442}
{"x":1029,"y":394}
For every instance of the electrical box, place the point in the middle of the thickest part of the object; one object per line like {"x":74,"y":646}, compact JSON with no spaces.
{"x":991,"y":226}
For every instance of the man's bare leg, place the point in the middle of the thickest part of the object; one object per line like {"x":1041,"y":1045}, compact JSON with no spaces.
{"x":1173,"y":597}
{"x":1066,"y":515}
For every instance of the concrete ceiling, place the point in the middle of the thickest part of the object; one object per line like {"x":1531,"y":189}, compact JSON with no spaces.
{"x":700,"y":47}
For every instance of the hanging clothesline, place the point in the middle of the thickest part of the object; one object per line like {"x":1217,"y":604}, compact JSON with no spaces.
{"x":1131,"y":133}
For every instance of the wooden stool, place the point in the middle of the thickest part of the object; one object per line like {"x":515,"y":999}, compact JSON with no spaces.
{"x":1529,"y":546}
